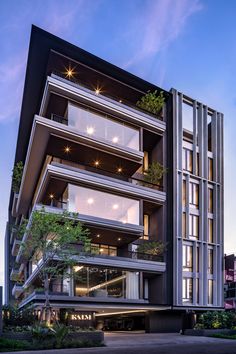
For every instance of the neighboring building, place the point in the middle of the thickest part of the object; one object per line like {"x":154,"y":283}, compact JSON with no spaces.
{"x":230,"y":282}
{"x":85,"y":145}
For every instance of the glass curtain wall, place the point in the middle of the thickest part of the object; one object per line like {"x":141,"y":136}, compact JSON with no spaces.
{"x":102,"y":127}
{"x":108,"y":283}
{"x":101,"y":204}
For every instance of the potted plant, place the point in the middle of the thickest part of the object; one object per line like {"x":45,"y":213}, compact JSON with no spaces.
{"x":152,"y":102}
{"x":154,"y":173}
{"x":154,"y":248}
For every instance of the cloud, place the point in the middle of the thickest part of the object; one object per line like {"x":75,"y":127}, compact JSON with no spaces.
{"x":11,"y":84}
{"x":160,"y":24}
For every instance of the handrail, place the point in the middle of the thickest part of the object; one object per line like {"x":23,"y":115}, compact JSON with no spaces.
{"x":119,"y":100}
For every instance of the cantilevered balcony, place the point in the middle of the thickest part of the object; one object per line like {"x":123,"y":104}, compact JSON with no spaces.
{"x":57,"y":85}
{"x":14,"y":275}
{"x":15,"y":247}
{"x":17,"y":290}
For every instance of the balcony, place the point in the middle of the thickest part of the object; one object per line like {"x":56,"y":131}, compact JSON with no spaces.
{"x":57,"y":85}
{"x":17,"y":290}
{"x":15,"y":274}
{"x":14,"y":203}
{"x":15,"y":247}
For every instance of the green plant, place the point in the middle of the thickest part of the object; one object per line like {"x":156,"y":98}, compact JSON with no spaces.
{"x":216,"y":320}
{"x":154,"y":173}
{"x":41,"y":332}
{"x":50,"y":236}
{"x":12,"y":344}
{"x":60,"y":332}
{"x":152,"y":102}
{"x":17,"y":176}
{"x":154,"y":248}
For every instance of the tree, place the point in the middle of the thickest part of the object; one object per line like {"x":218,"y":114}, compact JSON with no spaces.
{"x":154,"y":173}
{"x":52,"y":243}
{"x":154,"y":248}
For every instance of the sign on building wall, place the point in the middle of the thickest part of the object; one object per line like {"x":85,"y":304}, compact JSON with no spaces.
{"x":81,"y":318}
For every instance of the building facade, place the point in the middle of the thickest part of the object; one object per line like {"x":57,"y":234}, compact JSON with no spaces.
{"x":230,"y":282}
{"x":86,"y":146}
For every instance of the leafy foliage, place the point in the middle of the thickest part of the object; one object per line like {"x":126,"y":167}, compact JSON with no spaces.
{"x":152,"y":102}
{"x":216,"y":320}
{"x":17,"y":176}
{"x":154,"y":173}
{"x":61,"y":332}
{"x":54,"y":240}
{"x":154,"y":248}
{"x":12,"y":344}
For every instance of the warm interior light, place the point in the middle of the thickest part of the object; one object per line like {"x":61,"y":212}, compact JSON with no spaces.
{"x":90,"y":130}
{"x":67,"y":149}
{"x":96,"y":163}
{"x":51,"y":196}
{"x":97,"y":91}
{"x":115,"y":139}
{"x":124,"y":221}
{"x":119,"y":239}
{"x":119,"y":169}
{"x":90,"y":201}
{"x":115,"y":206}
{"x":77,"y":268}
{"x":98,"y":235}
{"x":120,"y":101}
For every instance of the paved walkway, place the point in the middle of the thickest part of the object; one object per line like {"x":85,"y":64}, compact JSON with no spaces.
{"x":154,"y":343}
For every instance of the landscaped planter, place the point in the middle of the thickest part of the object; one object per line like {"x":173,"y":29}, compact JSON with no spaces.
{"x":208,"y":332}
{"x":92,"y":336}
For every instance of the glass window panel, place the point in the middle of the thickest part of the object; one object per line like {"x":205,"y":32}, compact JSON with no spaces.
{"x":210,"y":230}
{"x":193,"y":195}
{"x":187,"y":291}
{"x":146,"y":224}
{"x":184,"y":225}
{"x":193,"y":226}
{"x":210,"y":291}
{"x":184,"y":193}
{"x":189,"y":161}
{"x":187,"y":117}
{"x":210,"y":261}
{"x":210,"y":169}
{"x":99,"y":126}
{"x":210,"y":200}
{"x":187,"y":258}
{"x":88,"y":202}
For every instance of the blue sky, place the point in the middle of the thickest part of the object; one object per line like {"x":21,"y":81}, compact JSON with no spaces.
{"x":186,"y":44}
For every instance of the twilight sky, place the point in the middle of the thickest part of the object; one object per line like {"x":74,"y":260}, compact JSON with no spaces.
{"x":186,"y":44}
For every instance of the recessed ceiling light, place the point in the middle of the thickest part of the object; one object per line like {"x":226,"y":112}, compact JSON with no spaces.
{"x":115,"y":206}
{"x":51,"y":196}
{"x":67,"y":149}
{"x":119,"y":169}
{"x":120,"y":101}
{"x":119,"y":239}
{"x":70,"y":72}
{"x":90,"y":130}
{"x":98,"y":235}
{"x":97,"y":91}
{"x":96,"y":163}
{"x":90,"y":201}
{"x":115,"y":139}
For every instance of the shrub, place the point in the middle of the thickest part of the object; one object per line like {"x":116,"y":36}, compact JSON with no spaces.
{"x":152,"y":102}
{"x":216,"y":320}
{"x":60,"y":332}
{"x":154,"y":173}
{"x":12,"y":344}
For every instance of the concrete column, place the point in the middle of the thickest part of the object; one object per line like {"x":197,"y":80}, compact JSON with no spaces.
{"x":1,"y":310}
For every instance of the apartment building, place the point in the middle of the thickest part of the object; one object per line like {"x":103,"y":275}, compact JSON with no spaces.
{"x":230,"y":282}
{"x":85,"y":146}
